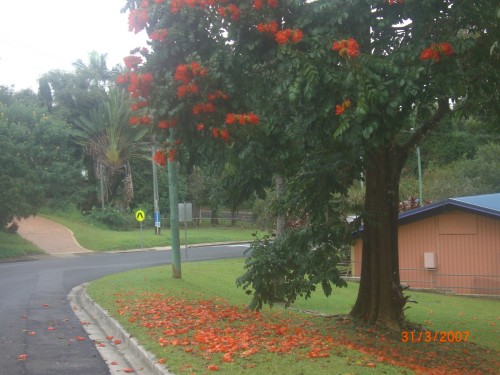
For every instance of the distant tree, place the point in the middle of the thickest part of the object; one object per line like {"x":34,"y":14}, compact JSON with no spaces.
{"x":40,"y":163}
{"x":21,"y":192}
{"x":111,"y":142}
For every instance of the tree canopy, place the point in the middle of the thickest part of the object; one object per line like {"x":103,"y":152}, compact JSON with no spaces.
{"x":338,"y":88}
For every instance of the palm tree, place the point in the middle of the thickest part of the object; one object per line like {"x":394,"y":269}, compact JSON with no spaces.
{"x":111,"y":142}
{"x":95,"y":72}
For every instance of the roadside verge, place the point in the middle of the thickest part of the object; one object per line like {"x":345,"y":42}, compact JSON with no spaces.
{"x":119,"y":350}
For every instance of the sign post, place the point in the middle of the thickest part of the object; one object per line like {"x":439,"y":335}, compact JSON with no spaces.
{"x":140,"y":216}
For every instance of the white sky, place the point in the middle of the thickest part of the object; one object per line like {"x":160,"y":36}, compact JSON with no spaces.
{"x":38,"y":36}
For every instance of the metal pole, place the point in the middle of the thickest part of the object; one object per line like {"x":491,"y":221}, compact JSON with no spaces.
{"x":174,"y":214}
{"x":420,"y":190}
{"x":156,"y":205}
{"x":102,"y":183}
{"x":185,"y":230}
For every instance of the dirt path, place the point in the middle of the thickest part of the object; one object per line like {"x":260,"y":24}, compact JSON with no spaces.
{"x":51,"y":237}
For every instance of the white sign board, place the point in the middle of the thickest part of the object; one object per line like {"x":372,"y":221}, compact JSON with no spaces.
{"x":185,"y":212}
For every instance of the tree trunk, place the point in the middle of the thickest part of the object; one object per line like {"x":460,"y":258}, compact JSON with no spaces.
{"x":380,"y":299}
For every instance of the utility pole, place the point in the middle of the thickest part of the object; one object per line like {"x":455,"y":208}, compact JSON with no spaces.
{"x":156,"y":204}
{"x":174,"y":213}
{"x":420,"y":189}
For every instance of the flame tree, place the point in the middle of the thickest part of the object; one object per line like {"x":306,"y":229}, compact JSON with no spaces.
{"x":357,"y":75}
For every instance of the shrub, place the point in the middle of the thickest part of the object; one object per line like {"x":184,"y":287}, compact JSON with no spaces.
{"x":111,"y":218}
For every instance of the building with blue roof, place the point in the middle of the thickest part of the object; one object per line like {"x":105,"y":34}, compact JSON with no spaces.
{"x":451,"y":245}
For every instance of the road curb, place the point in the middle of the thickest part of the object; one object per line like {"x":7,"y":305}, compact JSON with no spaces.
{"x":100,"y":325}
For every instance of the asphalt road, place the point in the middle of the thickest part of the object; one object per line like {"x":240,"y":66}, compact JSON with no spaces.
{"x":37,"y":320}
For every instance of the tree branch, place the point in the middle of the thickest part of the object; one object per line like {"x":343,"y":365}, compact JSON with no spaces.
{"x":432,"y":123}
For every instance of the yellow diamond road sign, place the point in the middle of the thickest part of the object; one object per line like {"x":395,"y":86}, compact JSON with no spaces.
{"x":140,"y":215}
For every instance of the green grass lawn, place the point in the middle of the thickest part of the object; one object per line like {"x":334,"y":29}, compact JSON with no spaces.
{"x":98,"y":238}
{"x":13,"y":245}
{"x":140,"y":299}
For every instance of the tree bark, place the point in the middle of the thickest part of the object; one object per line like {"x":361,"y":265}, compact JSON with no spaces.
{"x":380,"y":299}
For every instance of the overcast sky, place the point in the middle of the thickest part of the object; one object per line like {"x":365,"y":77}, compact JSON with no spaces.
{"x":37,"y":36}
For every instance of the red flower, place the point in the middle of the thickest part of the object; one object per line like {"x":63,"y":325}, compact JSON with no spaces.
{"x":171,"y":154}
{"x":159,"y":158}
{"x":181,"y":73}
{"x":200,"y":127}
{"x":221,"y":11}
{"x":230,"y":119}
{"x":446,"y":49}
{"x":224,"y":135}
{"x":282,"y":36}
{"x":132,"y":62}
{"x":121,"y":79}
{"x":253,"y":118}
{"x":167,"y":124}
{"x":159,"y":35}
{"x":215,"y":132}
{"x":235,"y":12}
{"x":257,"y":4}
{"x":134,"y":106}
{"x":436,"y":50}
{"x":137,"y":19}
{"x":340,"y":108}
{"x":297,"y":35}
{"x":428,"y":53}
{"x":181,"y":91}
{"x":209,"y":107}
{"x":352,"y":47}
{"x":197,"y":108}
{"x":273,"y":3}
{"x":346,"y":48}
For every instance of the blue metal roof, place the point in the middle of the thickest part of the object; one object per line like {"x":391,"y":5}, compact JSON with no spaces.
{"x":487,"y":205}
{"x":489,"y":201}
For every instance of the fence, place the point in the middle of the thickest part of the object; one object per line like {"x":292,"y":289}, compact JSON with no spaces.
{"x":240,"y":222}
{"x":433,"y":280}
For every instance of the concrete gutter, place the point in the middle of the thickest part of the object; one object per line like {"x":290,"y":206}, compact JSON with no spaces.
{"x":99,"y":325}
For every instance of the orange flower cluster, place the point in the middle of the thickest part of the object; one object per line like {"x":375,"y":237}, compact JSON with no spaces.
{"x":231,"y":10}
{"x":138,"y":19}
{"x":207,"y":107}
{"x":167,"y":124}
{"x":132,"y":62}
{"x":217,"y":95}
{"x":346,"y":48}
{"x":257,"y":4}
{"x":135,"y":106}
{"x":160,"y":158}
{"x":282,"y":36}
{"x":242,"y":119}
{"x":139,"y":120}
{"x":159,"y":35}
{"x":190,"y":88}
{"x":271,"y":27}
{"x":340,"y":108}
{"x":287,"y":35}
{"x":436,"y":50}
{"x":223,"y":133}
{"x":140,"y":85}
{"x":187,"y":72}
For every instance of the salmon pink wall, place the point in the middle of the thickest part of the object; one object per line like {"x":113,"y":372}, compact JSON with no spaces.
{"x":467,"y":250}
